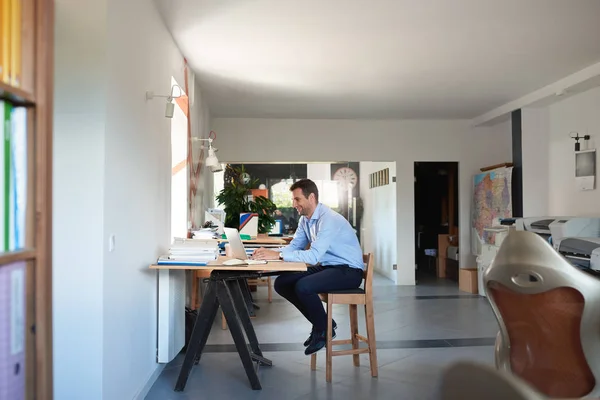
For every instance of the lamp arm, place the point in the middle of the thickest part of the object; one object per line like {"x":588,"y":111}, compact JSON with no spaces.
{"x":197,"y":139}
{"x":151,"y":95}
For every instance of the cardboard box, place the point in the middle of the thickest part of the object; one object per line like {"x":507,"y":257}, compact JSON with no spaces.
{"x":442,"y":250}
{"x":441,"y":267}
{"x":453,"y":237}
{"x":259,"y":192}
{"x":467,"y":280}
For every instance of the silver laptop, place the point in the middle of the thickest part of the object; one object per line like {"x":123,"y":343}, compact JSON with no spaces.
{"x":237,"y":247}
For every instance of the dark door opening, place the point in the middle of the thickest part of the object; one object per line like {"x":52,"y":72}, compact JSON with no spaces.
{"x":436,"y":220}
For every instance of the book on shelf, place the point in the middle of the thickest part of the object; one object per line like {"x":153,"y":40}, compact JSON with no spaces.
{"x":13,"y":179}
{"x":11,"y":27}
{"x":12,"y":331}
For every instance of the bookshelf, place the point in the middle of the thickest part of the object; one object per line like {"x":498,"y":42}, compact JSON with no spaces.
{"x":26,"y":95}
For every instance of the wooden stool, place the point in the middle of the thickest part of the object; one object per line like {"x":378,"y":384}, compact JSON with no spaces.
{"x":352,"y":297}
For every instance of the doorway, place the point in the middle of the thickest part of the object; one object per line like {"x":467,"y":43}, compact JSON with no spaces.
{"x":436,"y":221}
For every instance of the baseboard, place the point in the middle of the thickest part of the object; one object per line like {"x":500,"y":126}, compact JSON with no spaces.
{"x":153,"y":377}
{"x":387,"y":274}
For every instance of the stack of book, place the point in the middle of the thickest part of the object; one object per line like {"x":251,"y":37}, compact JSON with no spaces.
{"x":193,"y":252}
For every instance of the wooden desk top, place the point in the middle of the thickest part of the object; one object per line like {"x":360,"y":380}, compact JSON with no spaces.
{"x":218,"y":265}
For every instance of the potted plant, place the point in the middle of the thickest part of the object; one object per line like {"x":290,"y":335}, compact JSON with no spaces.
{"x":236,"y":198}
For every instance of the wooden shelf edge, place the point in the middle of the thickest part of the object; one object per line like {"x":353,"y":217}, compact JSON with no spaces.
{"x":15,"y":95}
{"x":16,"y":256}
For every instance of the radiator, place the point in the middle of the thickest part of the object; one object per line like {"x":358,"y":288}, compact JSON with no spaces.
{"x":171,"y":314}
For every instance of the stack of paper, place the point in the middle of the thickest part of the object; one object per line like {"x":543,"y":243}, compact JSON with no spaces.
{"x":206,"y":234}
{"x":191,"y":252}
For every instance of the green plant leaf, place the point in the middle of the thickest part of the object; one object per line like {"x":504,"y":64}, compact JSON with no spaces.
{"x":234,"y":199}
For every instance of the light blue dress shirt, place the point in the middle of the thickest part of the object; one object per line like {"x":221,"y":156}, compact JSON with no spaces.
{"x":332,"y":241}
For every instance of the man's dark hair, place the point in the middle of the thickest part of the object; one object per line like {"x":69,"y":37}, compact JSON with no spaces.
{"x":307,"y":187}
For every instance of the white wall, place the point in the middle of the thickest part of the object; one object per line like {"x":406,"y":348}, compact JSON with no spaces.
{"x":137,"y":192}
{"x":271,"y":140}
{"x":535,"y":141}
{"x":378,"y":230}
{"x":78,"y":197}
{"x":112,"y":176}
{"x":318,"y":172}
{"x":580,"y":113}
{"x":549,"y":159}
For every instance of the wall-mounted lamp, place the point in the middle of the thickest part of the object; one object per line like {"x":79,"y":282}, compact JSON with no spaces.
{"x":211,"y":160}
{"x":170,"y":109}
{"x":577,"y":139}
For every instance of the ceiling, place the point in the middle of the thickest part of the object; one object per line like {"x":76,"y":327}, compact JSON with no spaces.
{"x":379,"y":59}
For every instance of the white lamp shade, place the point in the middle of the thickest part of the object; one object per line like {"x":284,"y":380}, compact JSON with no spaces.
{"x":212,"y":160}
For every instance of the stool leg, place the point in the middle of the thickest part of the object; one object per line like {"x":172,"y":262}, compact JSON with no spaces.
{"x":354,"y":331}
{"x":371,"y":337}
{"x":223,"y":321}
{"x":313,"y":362}
{"x":270,"y":289}
{"x":194,"y":297}
{"x":329,"y":356}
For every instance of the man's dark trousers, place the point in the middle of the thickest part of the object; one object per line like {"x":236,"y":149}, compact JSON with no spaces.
{"x":302,"y":289}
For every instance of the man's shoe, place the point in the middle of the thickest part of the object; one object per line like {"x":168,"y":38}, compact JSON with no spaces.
{"x":307,"y":341}
{"x":317,"y":343}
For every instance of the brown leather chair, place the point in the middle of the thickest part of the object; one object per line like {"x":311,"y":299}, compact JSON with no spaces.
{"x":549,"y":316}
{"x":466,"y":380}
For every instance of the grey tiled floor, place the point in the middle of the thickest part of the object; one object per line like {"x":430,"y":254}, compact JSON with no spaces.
{"x":420,"y":330}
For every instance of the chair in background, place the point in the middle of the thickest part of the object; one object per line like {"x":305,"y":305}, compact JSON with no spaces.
{"x":352,"y":297}
{"x":471,"y":381}
{"x":264,"y":281}
{"x":549,"y":316}
{"x":197,"y":277}
{"x":196,"y":300}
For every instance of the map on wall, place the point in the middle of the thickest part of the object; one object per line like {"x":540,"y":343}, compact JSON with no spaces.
{"x":492,"y":198}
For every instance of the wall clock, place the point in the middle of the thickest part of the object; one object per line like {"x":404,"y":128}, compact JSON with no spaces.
{"x":245,"y":178}
{"x":346,"y":177}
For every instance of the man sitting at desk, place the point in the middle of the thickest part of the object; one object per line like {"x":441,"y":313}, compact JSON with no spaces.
{"x":334,"y":256}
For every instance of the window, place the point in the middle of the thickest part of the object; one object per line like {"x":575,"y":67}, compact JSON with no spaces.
{"x":179,"y":169}
{"x":328,"y":193}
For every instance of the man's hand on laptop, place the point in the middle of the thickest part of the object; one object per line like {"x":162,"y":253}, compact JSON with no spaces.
{"x":265,"y":254}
